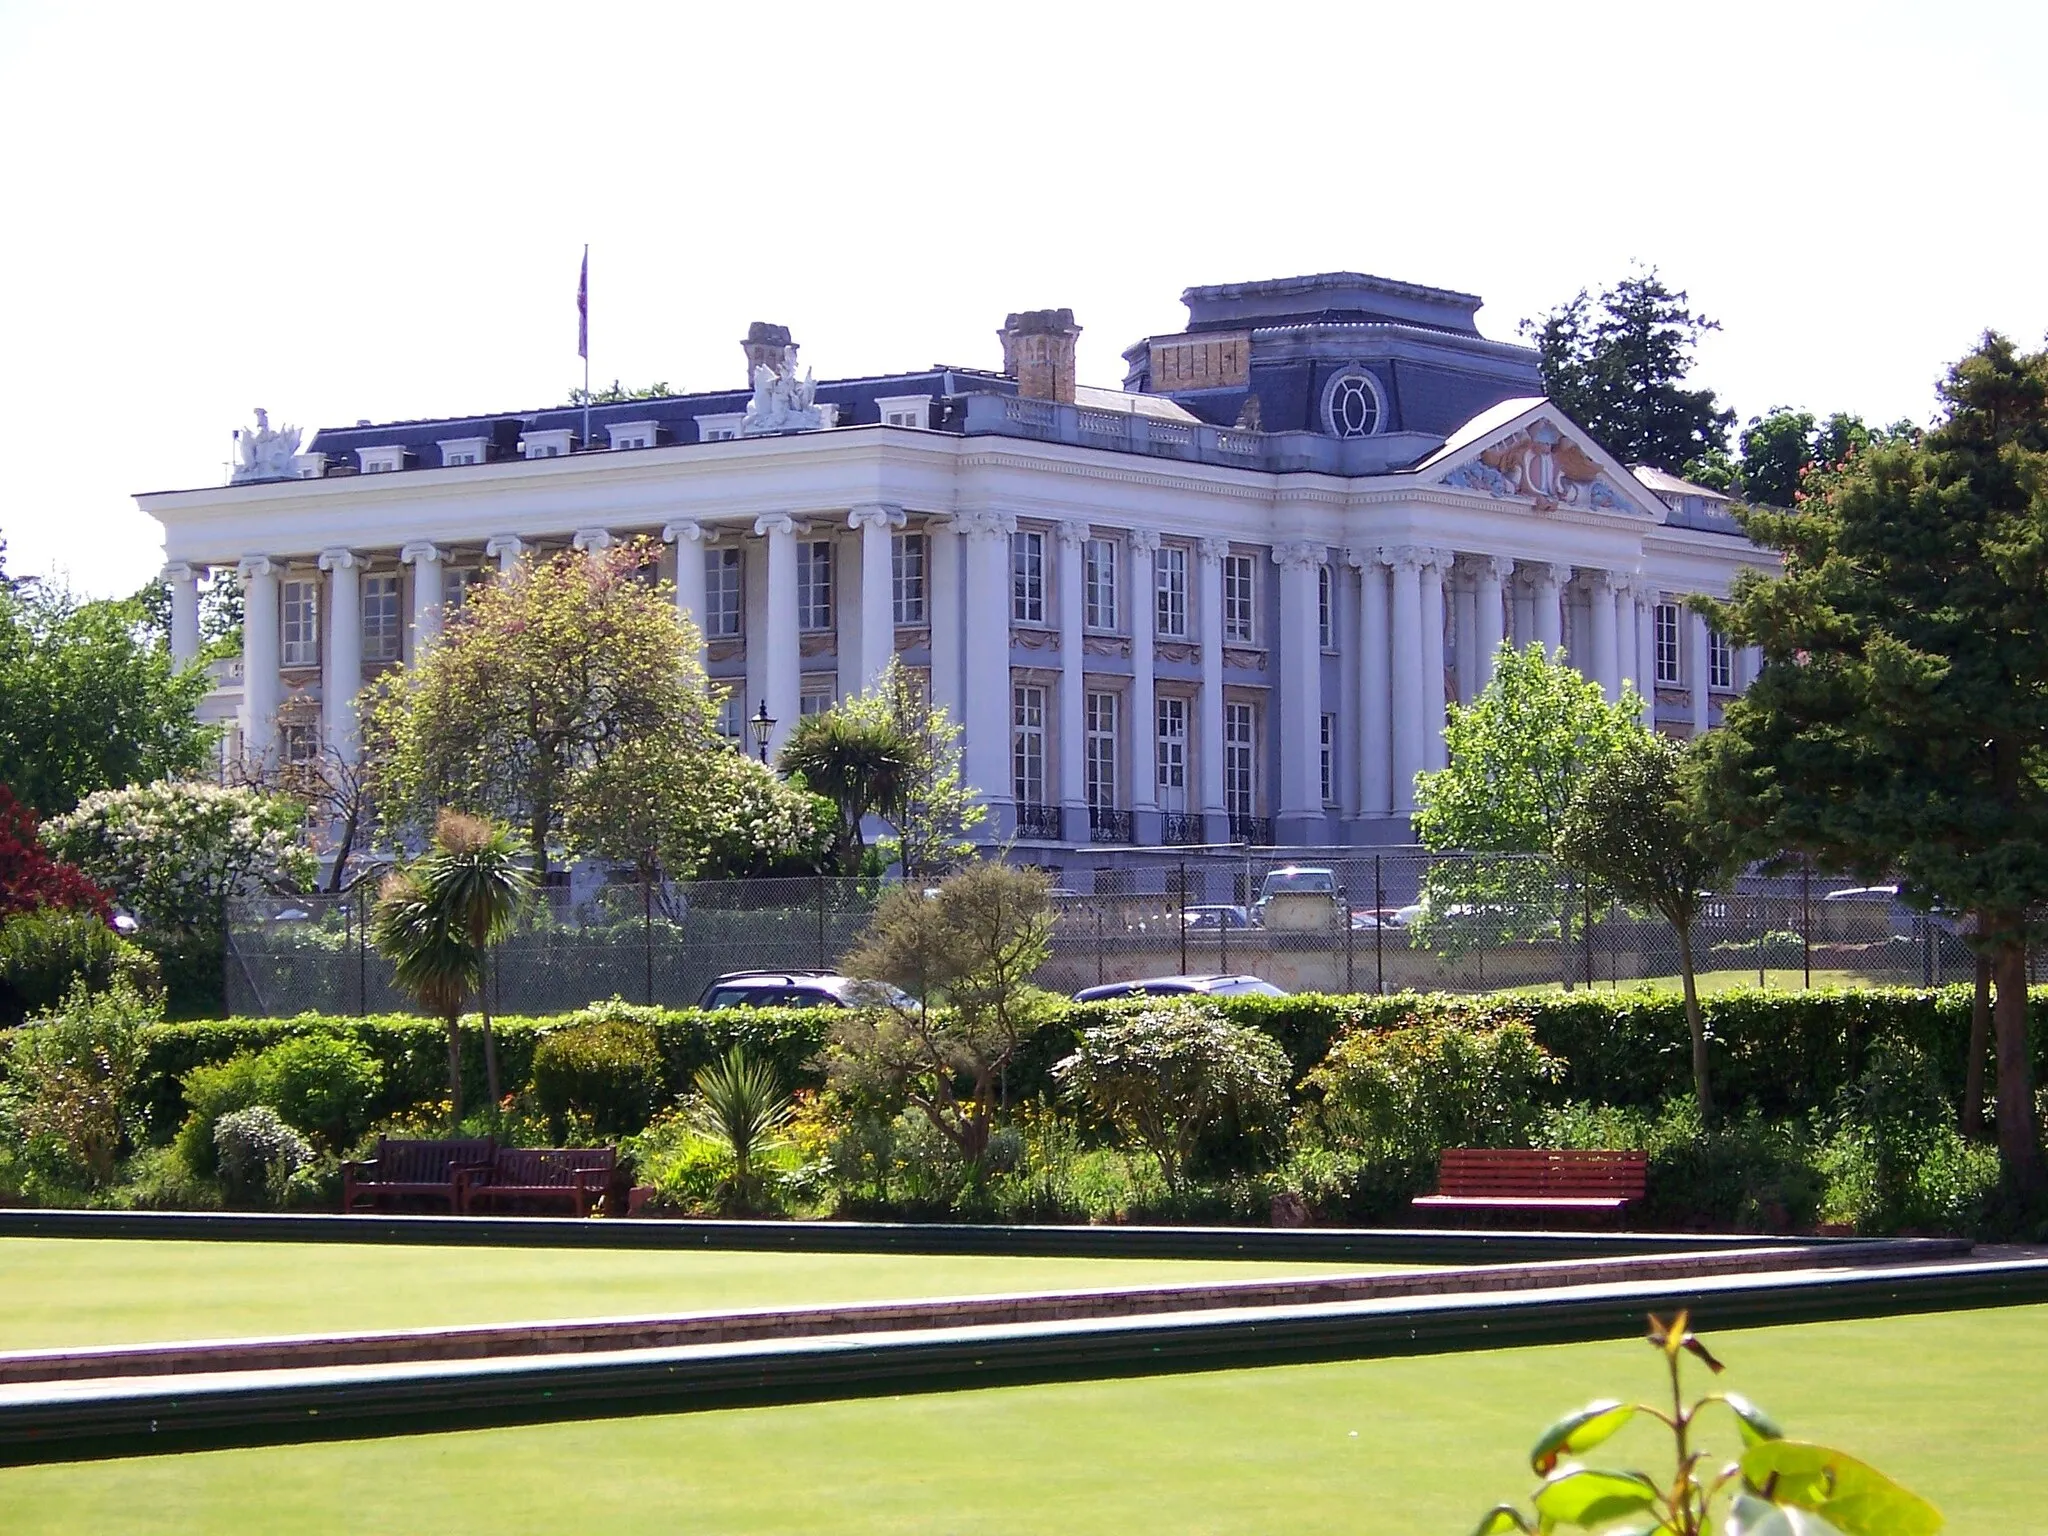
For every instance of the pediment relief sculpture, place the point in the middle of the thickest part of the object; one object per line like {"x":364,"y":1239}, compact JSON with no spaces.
{"x":1543,"y":464}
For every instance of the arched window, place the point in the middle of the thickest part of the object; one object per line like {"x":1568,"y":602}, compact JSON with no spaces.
{"x":1351,"y":404}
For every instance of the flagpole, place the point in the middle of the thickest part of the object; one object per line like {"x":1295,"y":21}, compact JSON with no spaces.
{"x":583,"y":340}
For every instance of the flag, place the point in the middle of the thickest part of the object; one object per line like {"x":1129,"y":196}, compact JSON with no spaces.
{"x":583,"y":309}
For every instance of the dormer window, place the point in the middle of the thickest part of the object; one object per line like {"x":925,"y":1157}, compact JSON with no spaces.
{"x":633,"y":434}
{"x":550,"y":444}
{"x":905,"y":410}
{"x":465,"y":450}
{"x":720,"y":429}
{"x":380,"y":461}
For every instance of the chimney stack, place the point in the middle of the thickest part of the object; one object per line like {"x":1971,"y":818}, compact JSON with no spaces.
{"x":764,"y":346}
{"x":1038,"y":352}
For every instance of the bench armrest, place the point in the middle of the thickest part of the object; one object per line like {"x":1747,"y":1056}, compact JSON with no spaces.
{"x":360,"y":1165}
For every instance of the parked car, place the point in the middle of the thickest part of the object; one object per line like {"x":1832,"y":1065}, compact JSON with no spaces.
{"x":784,"y":989}
{"x":1180,"y":986}
{"x":1219,"y":914}
{"x":1300,"y":896}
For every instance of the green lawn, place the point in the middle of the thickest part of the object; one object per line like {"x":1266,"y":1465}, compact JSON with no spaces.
{"x":1949,"y":1404}
{"x":1710,"y":982}
{"x":58,"y":1291}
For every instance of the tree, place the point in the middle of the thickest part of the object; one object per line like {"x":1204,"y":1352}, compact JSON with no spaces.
{"x":953,"y":999}
{"x":860,"y":760}
{"x":90,"y":700}
{"x":741,"y":1106}
{"x":1900,"y":723}
{"x":331,"y":784}
{"x":1165,"y":1076}
{"x":616,"y":393}
{"x":538,"y":678}
{"x":1639,"y":827}
{"x":935,"y":808}
{"x":1616,"y":365}
{"x":1777,"y":450}
{"x":1517,"y":755}
{"x":436,"y":920}
{"x":174,"y":854}
{"x":30,"y":878}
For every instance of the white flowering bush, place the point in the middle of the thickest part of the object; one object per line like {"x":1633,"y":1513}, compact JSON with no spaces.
{"x":174,"y":852}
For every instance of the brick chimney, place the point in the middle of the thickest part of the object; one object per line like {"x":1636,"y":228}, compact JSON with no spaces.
{"x":1038,"y":352}
{"x":764,"y":345}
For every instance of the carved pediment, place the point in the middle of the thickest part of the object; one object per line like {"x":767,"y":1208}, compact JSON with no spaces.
{"x":1541,"y":463}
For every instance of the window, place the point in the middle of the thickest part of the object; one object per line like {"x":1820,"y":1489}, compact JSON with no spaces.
{"x":465,"y":450}
{"x":906,"y":560}
{"x":1027,"y":743}
{"x":298,"y":742}
{"x":1101,"y":753}
{"x":816,"y":699}
{"x":383,"y":629}
{"x":1240,"y":759}
{"x":1329,"y":758}
{"x":458,"y":458}
{"x":380,"y":461}
{"x":904,"y":410}
{"x":1326,"y":611}
{"x":629,"y":440}
{"x":814,"y":584}
{"x":1351,"y":405}
{"x":549,"y":443}
{"x":1027,"y":578}
{"x":722,"y":587}
{"x":1720,"y":661}
{"x":1173,"y":753}
{"x":732,"y":716}
{"x":1667,"y":645}
{"x":1098,"y":582}
{"x":455,"y":585}
{"x":633,"y":434}
{"x":1171,"y":571}
{"x":299,"y":610}
{"x":1239,"y":572}
{"x":720,"y":429}
{"x":544,"y":451}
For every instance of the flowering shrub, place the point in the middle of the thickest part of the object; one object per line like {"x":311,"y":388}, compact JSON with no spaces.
{"x":69,"y":1076}
{"x":173,"y":853}
{"x":257,"y":1154}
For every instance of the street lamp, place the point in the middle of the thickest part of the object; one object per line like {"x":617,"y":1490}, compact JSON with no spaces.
{"x":763,"y":726}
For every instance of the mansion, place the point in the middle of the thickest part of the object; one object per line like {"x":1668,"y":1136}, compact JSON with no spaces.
{"x":1228,"y":602}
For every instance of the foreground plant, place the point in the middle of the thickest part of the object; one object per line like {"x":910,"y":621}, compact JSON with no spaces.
{"x":1777,"y":1487}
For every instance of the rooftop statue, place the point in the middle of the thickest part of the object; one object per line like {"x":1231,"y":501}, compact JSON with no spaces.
{"x":782,"y":402}
{"x":264,"y":454}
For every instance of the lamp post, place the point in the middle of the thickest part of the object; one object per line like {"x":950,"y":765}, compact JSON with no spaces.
{"x":763,"y":726}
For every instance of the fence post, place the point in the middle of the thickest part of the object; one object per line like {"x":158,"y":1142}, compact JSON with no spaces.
{"x":1589,"y":938}
{"x":1806,"y":922}
{"x":822,"y":961}
{"x":1350,"y":946}
{"x":1379,"y":927}
{"x":647,"y":928}
{"x":1098,"y":943}
{"x":363,"y":955}
{"x":1183,"y":917}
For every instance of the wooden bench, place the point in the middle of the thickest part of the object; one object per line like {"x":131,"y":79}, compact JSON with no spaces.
{"x":574,"y":1177}
{"x":417,"y":1170}
{"x":1593,"y":1184}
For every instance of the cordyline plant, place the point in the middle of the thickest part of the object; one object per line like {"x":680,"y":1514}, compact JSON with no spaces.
{"x":1776,"y":1487}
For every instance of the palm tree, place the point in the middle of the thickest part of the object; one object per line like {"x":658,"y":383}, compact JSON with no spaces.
{"x":740,"y":1103}
{"x":861,"y":763}
{"x":436,"y":923}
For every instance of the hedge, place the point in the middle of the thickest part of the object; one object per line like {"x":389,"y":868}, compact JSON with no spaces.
{"x":1783,"y":1052}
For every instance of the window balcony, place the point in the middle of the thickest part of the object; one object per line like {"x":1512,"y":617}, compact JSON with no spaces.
{"x":1180,"y":828}
{"x":1106,"y":824}
{"x":1038,"y":822}
{"x":1256,"y":830}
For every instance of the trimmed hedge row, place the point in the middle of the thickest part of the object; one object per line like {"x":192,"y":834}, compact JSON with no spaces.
{"x":1784,"y":1053}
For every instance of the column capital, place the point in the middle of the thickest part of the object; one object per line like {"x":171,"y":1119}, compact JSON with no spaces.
{"x":876,"y":515}
{"x":773,"y":523}
{"x":1074,"y":533}
{"x":1367,"y":557}
{"x":689,"y":528}
{"x":1442,"y":559}
{"x":1144,"y":541}
{"x":255,"y":565}
{"x":1598,"y":581}
{"x":591,"y":541}
{"x":1212,"y":551}
{"x":422,"y":553}
{"x":1553,"y":575}
{"x":340,"y":560}
{"x":503,"y":546}
{"x":1299,"y":555}
{"x":1500,"y":567}
{"x":985,"y":524}
{"x":179,"y":570}
{"x":1406,"y":557}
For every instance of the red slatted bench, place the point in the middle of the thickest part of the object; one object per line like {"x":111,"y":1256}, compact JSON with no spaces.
{"x":420,"y":1170}
{"x":1537,"y":1179}
{"x":575,"y":1177}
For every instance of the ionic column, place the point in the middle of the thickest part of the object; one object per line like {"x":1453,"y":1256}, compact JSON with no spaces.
{"x":1072,"y":713}
{"x":942,"y":606}
{"x":1301,"y":680}
{"x":1406,"y":634}
{"x":1546,"y":584}
{"x":341,"y":677}
{"x":591,"y":541}
{"x":877,"y":596}
{"x":781,"y":663}
{"x":1493,"y":573}
{"x":986,"y":702}
{"x":1601,"y":665}
{"x":425,"y":560}
{"x":1696,"y":673}
{"x":1646,"y":650}
{"x":1375,"y":684}
{"x":1434,"y":753}
{"x":183,"y":581}
{"x":690,"y":537}
{"x":1209,"y":750}
{"x":260,"y":686}
{"x":1143,"y":608}
{"x":505,"y":548}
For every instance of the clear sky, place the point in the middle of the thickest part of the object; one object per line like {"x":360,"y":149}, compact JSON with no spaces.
{"x":377,"y":211}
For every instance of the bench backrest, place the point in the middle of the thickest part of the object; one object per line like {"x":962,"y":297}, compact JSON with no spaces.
{"x":1540,"y":1171}
{"x":550,"y":1167}
{"x":429,"y":1162}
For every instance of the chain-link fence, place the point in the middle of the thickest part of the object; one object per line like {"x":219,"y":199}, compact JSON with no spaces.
{"x":1324,"y":922}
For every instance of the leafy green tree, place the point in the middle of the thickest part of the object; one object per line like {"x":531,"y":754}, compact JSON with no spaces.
{"x":536,"y":680}
{"x":1777,"y":450}
{"x":616,"y":393}
{"x":89,"y":699}
{"x":1517,"y":755}
{"x":858,"y":759}
{"x":954,"y":998}
{"x":741,"y":1105}
{"x":1900,"y":723}
{"x":1617,"y":364}
{"x":1641,"y":829}
{"x":1164,"y":1076}
{"x":934,"y":808}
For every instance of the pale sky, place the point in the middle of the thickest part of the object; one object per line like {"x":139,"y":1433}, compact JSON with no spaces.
{"x":344,"y":211}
